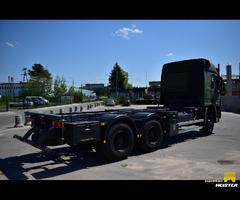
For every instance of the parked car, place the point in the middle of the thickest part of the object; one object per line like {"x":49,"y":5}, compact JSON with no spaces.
{"x":126,"y":102}
{"x":21,"y":103}
{"x":46,"y":102}
{"x":36,"y":101}
{"x":110,"y":102}
{"x":39,"y":102}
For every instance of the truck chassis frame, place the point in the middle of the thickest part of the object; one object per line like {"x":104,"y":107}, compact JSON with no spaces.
{"x":115,"y":132}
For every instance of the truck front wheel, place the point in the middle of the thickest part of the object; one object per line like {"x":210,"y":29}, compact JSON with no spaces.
{"x":119,"y":143}
{"x":152,"y":136}
{"x":208,"y":127}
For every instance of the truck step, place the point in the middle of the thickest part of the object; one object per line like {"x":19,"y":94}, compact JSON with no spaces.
{"x":190,"y":122}
{"x":180,"y":131}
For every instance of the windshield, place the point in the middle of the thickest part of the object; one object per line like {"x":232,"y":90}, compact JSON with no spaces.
{"x":42,"y":98}
{"x":29,"y":99}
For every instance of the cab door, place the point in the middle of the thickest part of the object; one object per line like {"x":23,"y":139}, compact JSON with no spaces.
{"x":215,"y":90}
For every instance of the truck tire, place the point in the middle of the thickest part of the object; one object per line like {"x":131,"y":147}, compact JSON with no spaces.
{"x":152,"y":136}
{"x":119,"y":142}
{"x":208,"y":127}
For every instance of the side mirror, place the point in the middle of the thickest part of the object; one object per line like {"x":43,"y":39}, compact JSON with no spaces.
{"x":219,"y":83}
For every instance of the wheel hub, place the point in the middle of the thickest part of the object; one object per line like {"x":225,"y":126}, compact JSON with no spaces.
{"x":120,"y":141}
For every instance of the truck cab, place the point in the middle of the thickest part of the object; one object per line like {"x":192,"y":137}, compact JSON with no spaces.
{"x":192,"y":83}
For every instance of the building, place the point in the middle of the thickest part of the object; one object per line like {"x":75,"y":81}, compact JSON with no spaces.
{"x":232,"y":82}
{"x":13,"y":89}
{"x":138,"y":92}
{"x":87,"y":94}
{"x":67,"y":99}
{"x":230,"y":99}
{"x":135,"y":93}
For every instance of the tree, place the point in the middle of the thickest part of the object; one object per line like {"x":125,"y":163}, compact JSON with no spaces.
{"x":100,"y":91}
{"x":78,"y":96}
{"x":71,"y":90}
{"x":40,"y":83}
{"x":119,"y":78}
{"x":39,"y":71}
{"x":60,"y":87}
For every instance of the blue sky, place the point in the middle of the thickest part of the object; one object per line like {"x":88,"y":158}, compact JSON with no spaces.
{"x":86,"y":50}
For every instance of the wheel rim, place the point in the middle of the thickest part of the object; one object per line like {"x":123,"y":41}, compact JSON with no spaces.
{"x":120,"y":141}
{"x":153,"y":135}
{"x":210,"y":125}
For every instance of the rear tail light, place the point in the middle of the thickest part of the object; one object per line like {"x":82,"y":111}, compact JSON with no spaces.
{"x":57,"y":124}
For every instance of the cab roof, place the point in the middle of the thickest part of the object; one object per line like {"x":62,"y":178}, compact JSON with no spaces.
{"x":183,"y":65}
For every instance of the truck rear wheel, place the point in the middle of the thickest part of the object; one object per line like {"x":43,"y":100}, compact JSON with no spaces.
{"x":119,"y":143}
{"x":152,"y":136}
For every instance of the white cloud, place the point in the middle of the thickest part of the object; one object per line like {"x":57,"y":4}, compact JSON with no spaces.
{"x":9,"y":44}
{"x":125,"y":32}
{"x":169,"y":54}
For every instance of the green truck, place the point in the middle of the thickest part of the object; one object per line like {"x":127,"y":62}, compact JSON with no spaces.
{"x":190,"y":95}
{"x":192,"y":83}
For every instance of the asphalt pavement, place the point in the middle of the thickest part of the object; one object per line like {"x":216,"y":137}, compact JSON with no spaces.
{"x":189,"y":156}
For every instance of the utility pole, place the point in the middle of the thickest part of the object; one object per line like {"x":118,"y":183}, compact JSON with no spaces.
{"x":82,"y":92}
{"x":108,"y":88}
{"x":24,"y":74}
{"x":72,"y":81}
{"x":229,"y":80}
{"x":131,"y":80}
{"x":116,"y":84}
{"x":146,"y":85}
